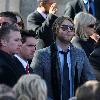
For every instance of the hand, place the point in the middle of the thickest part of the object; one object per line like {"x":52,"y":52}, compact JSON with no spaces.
{"x":53,"y":8}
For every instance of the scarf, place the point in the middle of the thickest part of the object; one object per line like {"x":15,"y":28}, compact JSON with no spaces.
{"x":54,"y":73}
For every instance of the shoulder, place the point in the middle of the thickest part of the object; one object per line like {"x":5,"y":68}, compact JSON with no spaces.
{"x":33,"y":14}
{"x":73,"y":2}
{"x":4,"y":57}
{"x":96,"y":52}
{"x":44,"y":51}
{"x":78,"y":51}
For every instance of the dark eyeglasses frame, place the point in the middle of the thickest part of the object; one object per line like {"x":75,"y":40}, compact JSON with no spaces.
{"x":91,"y":25}
{"x":67,"y":27}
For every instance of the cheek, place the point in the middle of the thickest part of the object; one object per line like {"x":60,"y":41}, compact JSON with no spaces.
{"x":90,"y":32}
{"x":12,"y":45}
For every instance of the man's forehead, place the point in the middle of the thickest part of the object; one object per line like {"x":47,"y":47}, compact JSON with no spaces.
{"x":66,"y":21}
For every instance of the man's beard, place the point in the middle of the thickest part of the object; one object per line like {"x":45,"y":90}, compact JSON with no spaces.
{"x":63,"y":41}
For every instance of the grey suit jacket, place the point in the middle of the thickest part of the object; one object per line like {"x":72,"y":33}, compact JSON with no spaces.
{"x":41,"y":64}
{"x":73,"y":7}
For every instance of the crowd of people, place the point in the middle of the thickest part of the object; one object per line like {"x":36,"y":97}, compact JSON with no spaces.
{"x":54,"y":57}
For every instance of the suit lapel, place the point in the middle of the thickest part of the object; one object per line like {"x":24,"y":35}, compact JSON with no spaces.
{"x":73,"y":69}
{"x":41,"y":18}
{"x":19,"y":64}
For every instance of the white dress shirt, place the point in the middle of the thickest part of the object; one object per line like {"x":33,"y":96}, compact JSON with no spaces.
{"x":43,"y":14}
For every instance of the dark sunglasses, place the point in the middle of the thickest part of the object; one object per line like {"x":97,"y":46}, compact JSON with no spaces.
{"x":67,"y":27}
{"x":91,"y":25}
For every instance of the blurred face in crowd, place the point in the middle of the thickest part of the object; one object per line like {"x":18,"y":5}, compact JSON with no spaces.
{"x":28,"y":48}
{"x":89,"y":30}
{"x":5,"y":19}
{"x":48,"y":4}
{"x":66,"y":32}
{"x":13,"y":42}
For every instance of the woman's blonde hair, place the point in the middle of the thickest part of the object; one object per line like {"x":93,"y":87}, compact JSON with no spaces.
{"x":31,"y":87}
{"x":90,"y":90}
{"x":82,"y":20}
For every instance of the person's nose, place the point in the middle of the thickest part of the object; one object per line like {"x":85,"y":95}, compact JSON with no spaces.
{"x":20,"y":43}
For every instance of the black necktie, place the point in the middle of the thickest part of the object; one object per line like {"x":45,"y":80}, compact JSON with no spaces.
{"x":66,"y":81}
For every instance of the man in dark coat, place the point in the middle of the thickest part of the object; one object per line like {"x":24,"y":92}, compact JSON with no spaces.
{"x":10,"y":42}
{"x":75,"y":6}
{"x":27,"y":50}
{"x":42,"y":19}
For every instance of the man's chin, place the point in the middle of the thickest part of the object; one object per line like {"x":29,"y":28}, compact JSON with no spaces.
{"x":46,"y":12}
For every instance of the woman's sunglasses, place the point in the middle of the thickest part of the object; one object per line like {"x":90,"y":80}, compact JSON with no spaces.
{"x":91,"y":25}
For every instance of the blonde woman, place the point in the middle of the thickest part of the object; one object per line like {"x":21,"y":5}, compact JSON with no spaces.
{"x":90,"y":90}
{"x":84,"y":30}
{"x":31,"y":87}
{"x":6,"y":93}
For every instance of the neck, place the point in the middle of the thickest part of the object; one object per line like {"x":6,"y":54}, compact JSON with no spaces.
{"x":62,"y":45}
{"x":42,"y":9}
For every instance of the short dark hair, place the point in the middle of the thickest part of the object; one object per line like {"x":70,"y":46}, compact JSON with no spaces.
{"x":42,"y":0}
{"x":10,"y":15}
{"x":27,"y":33}
{"x":6,"y":28}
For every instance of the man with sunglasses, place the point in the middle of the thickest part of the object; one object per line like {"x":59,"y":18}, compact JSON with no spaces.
{"x":42,"y":19}
{"x":63,"y":66}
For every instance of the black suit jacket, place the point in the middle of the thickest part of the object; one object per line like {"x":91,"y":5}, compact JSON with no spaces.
{"x":73,"y":7}
{"x":10,"y":71}
{"x":21,"y":66}
{"x":42,"y":27}
{"x":97,"y":9}
{"x":87,"y":46}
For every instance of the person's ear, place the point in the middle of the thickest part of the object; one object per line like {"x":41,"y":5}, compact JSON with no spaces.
{"x":3,"y":42}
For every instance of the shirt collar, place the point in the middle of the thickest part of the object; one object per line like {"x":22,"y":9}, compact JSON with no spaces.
{"x":60,"y":49}
{"x":42,"y":13}
{"x":24,"y":63}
